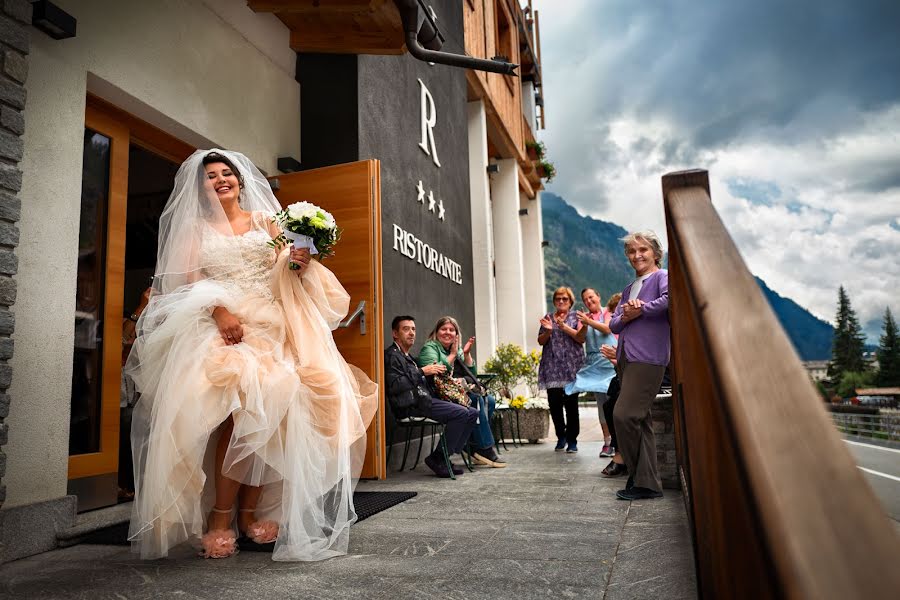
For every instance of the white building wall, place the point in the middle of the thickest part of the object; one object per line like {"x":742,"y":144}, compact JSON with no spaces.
{"x":175,"y":64}
{"x":482,"y":237}
{"x":510,"y":276}
{"x":533,"y":261}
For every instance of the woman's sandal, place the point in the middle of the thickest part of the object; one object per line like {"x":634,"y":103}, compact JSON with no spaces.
{"x":261,"y":532}
{"x":614,"y":469}
{"x":219,"y":543}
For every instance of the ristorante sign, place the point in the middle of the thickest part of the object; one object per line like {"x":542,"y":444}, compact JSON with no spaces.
{"x":407,"y":243}
{"x":415,"y":249}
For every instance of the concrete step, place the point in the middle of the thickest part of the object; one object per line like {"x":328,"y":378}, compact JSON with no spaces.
{"x":93,"y":521}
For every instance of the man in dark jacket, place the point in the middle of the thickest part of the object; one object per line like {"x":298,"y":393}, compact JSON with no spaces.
{"x":409,"y":395}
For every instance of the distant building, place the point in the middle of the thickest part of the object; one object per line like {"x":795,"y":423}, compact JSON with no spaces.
{"x":892,"y":392}
{"x":817,"y":369}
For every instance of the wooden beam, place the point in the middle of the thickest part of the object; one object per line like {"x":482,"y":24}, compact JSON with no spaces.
{"x":345,"y":42}
{"x":316,"y":6}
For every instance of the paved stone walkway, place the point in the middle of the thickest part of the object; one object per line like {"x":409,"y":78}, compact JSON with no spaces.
{"x":548,"y":526}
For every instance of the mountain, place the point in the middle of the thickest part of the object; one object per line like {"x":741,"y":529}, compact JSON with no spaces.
{"x":586,"y":252}
{"x":810,"y":335}
{"x":583,"y":251}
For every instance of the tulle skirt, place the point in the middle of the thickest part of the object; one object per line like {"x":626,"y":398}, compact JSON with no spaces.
{"x":300,"y":413}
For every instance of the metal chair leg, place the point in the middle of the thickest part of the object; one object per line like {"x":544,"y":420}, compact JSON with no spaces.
{"x":467,"y":456}
{"x":447,"y":456}
{"x":405,"y":451}
{"x":495,"y":420}
{"x":518,"y":430}
{"x":419,"y":451}
{"x":501,"y":439}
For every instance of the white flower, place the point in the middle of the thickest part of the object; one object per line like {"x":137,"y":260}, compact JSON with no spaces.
{"x":537,"y":403}
{"x":302,"y":210}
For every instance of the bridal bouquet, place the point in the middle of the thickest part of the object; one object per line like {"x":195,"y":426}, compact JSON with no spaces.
{"x":305,"y":225}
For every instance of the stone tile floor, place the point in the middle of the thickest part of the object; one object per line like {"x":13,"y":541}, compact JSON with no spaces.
{"x":547,"y":526}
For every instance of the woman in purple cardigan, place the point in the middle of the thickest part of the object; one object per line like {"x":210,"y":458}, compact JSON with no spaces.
{"x":642,"y":322}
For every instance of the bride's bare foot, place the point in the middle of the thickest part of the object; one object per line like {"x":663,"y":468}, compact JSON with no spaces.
{"x":261,"y":532}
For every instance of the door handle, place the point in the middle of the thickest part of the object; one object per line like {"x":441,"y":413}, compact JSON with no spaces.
{"x":359,"y":312}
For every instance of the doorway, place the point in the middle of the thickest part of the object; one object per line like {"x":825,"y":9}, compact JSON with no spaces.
{"x":127,"y":175}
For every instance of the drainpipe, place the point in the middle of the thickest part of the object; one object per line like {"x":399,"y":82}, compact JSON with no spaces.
{"x":420,"y":28}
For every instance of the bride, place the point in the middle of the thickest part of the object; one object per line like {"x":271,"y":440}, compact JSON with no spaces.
{"x":250,"y":422}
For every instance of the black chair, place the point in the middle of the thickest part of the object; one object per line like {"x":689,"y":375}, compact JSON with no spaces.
{"x":411,"y":423}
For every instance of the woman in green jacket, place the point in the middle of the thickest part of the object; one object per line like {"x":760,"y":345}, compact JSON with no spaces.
{"x":444,"y":347}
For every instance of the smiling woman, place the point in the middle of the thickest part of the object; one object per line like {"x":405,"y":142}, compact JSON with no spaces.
{"x":642,"y":322}
{"x":222,"y":373}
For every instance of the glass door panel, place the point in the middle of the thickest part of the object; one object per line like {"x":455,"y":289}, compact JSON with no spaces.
{"x":87,"y":367}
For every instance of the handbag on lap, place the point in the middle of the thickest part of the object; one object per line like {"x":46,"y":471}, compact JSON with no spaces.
{"x":461,"y":369}
{"x":451,"y":390}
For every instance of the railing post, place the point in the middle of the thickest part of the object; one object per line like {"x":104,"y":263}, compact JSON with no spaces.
{"x":777,"y":505}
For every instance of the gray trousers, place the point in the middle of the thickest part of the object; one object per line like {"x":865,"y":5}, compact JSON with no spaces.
{"x":634,"y":425}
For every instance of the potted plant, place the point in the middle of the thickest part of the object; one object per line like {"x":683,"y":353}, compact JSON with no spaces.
{"x":512,"y":366}
{"x":532,"y":420}
{"x":535,"y":150}
{"x":546,"y":170}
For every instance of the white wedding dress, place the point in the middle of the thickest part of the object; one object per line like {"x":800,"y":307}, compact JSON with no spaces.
{"x":300,"y":411}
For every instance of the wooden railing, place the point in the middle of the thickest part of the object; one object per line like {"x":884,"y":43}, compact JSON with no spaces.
{"x":777,"y":506}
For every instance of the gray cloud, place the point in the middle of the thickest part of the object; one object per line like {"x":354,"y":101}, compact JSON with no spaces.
{"x":776,"y":96}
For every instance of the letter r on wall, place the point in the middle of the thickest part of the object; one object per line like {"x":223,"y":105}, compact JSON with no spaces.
{"x":428,"y":116}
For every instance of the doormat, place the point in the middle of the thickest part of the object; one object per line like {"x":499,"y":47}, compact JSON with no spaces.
{"x":371,"y":503}
{"x":366,"y":504}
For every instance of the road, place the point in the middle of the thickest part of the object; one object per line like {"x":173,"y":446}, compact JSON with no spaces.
{"x":881,"y":467}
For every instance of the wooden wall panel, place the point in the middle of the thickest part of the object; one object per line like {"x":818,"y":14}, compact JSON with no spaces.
{"x":502,"y":94}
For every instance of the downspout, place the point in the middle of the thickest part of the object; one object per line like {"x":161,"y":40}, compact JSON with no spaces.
{"x":425,"y":29}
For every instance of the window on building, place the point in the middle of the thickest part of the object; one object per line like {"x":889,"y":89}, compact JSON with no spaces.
{"x":505,"y":35}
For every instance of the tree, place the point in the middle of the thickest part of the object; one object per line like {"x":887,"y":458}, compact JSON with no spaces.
{"x":888,"y":354}
{"x":850,"y":381}
{"x":848,"y":343}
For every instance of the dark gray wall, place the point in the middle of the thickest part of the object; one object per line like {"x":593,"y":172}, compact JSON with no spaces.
{"x":389,"y":130}
{"x":328,"y":109}
{"x":14,"y":34}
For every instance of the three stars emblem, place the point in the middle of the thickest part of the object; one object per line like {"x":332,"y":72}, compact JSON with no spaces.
{"x":432,"y":202}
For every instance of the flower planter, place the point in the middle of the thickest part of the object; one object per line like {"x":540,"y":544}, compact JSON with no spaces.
{"x":534,"y":424}
{"x":533,"y":153}
{"x":546,"y":171}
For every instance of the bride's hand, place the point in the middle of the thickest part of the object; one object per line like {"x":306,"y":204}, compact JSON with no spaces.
{"x":229,"y":326}
{"x":300,"y":257}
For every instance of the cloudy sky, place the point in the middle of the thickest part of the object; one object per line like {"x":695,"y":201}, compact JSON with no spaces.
{"x":793,"y":107}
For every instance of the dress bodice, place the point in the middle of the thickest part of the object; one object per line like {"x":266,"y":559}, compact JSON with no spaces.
{"x":242,"y":263}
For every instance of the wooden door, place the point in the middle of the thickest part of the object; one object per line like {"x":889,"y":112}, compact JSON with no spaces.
{"x":352,"y":193}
